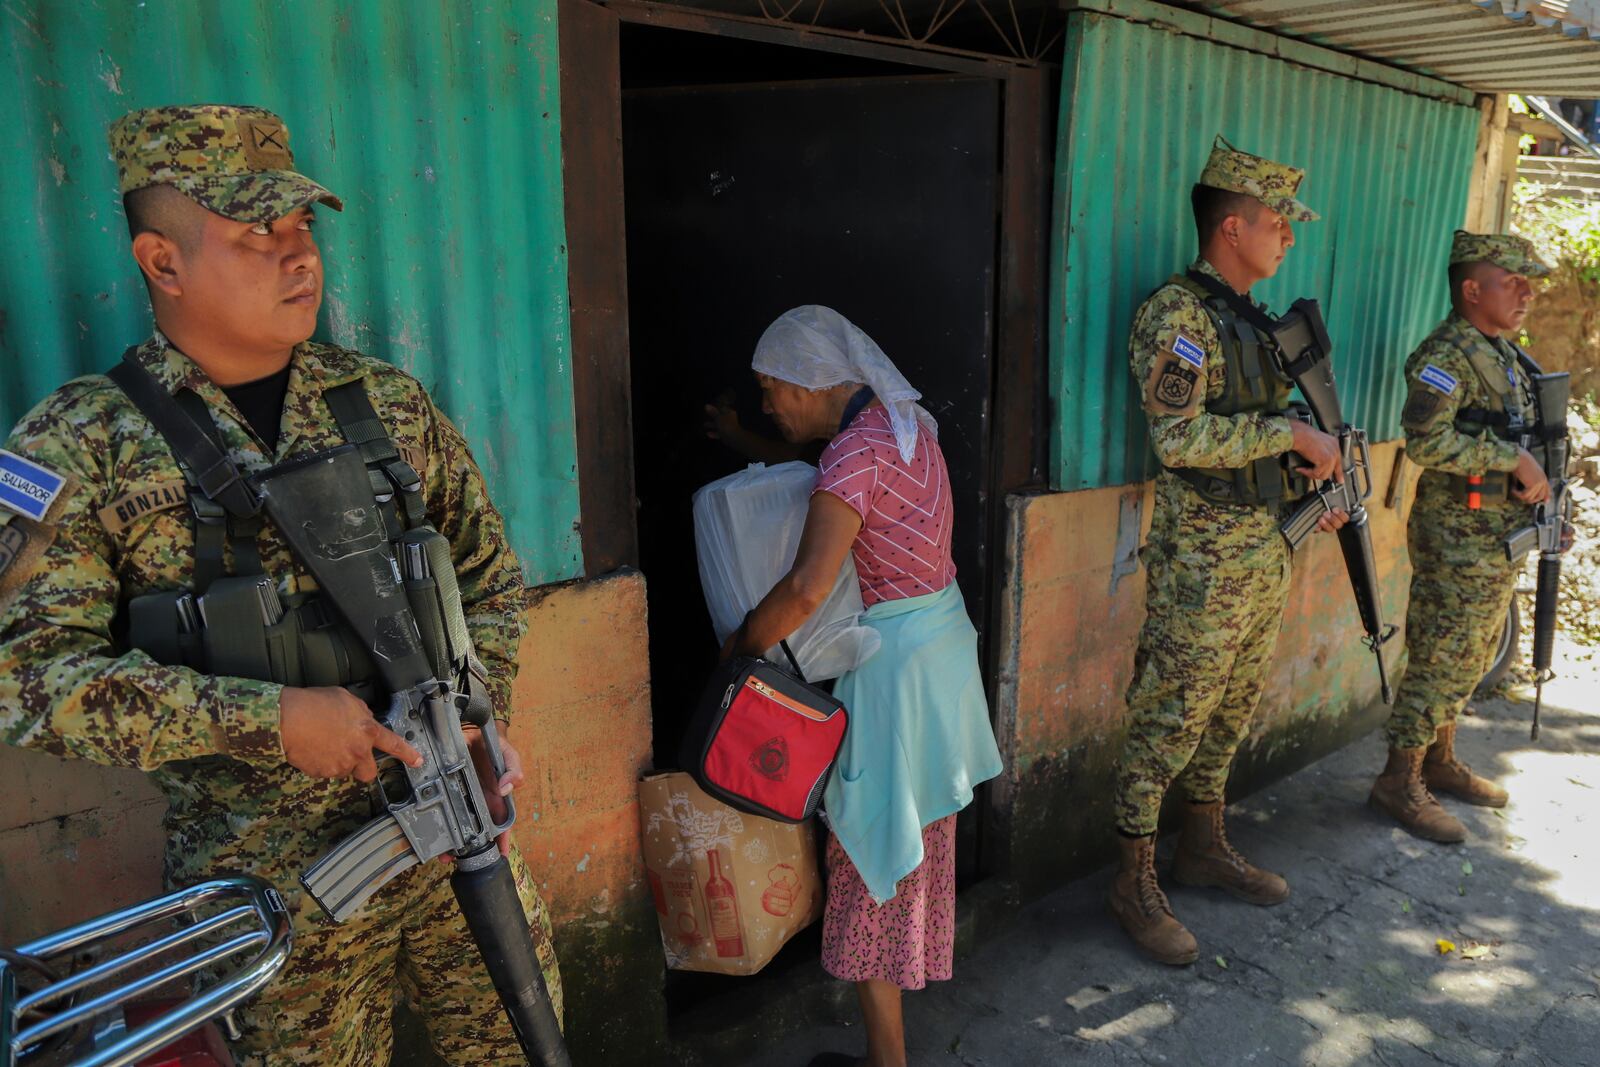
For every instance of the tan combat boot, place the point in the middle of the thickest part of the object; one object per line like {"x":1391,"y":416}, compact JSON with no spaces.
{"x":1141,"y":907}
{"x":1443,"y":773}
{"x":1401,"y":792}
{"x":1205,"y":858}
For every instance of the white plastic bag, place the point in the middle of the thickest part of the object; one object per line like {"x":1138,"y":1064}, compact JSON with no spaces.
{"x":746,"y":533}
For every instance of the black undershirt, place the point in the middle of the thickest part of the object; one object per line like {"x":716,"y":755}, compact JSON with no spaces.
{"x":261,"y":403}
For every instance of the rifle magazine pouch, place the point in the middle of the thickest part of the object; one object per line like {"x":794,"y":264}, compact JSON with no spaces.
{"x":153,"y":628}
{"x":235,"y":632}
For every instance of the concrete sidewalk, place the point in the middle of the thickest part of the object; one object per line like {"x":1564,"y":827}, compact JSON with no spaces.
{"x":1348,"y":971}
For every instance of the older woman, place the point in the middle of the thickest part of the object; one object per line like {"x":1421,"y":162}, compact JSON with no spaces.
{"x":919,"y":737}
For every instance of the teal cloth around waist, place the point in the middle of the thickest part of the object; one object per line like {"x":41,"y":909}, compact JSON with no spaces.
{"x":919,"y":737}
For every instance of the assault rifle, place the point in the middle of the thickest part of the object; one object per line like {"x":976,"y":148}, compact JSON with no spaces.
{"x":438,"y":808}
{"x":1551,"y":522}
{"x":1305,"y":355}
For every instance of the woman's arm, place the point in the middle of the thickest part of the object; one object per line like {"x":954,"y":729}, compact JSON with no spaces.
{"x":831,"y":527}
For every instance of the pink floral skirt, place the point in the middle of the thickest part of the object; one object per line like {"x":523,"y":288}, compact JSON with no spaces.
{"x":909,"y":939}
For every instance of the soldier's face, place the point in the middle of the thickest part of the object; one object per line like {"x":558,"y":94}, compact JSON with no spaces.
{"x":1501,"y":297}
{"x":254,"y":285}
{"x":1264,"y":242}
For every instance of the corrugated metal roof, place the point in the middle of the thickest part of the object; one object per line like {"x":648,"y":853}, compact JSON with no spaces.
{"x":1492,"y":46}
{"x":1388,"y":170}
{"x":437,"y":123}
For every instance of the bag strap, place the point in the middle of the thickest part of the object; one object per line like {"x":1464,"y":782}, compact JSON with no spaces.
{"x":787,"y":651}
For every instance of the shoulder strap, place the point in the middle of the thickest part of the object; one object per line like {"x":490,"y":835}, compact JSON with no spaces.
{"x":390,"y":474}
{"x":1239,"y":305}
{"x":213,"y":471}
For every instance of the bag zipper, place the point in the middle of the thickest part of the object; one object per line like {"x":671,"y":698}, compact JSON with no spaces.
{"x":785,"y":701}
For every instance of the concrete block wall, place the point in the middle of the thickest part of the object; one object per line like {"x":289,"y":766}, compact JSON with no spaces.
{"x":1074,"y":596}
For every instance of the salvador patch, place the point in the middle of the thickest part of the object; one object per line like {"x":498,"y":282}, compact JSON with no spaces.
{"x":1186,"y":349}
{"x":26,"y":487}
{"x":1443,"y":381}
{"x":1175,"y":386}
{"x":121,"y":512}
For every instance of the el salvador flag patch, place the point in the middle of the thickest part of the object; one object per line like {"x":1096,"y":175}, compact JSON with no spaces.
{"x":1441,"y":380}
{"x":27,"y":488}
{"x":1188,"y":351}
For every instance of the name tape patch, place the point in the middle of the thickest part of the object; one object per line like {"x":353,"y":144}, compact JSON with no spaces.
{"x":26,"y":487}
{"x":1443,"y":381}
{"x":121,"y":512}
{"x":1188,"y":351}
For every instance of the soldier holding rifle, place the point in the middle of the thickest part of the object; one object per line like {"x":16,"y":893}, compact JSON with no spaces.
{"x":1218,"y":566}
{"x":156,"y":612}
{"x":1472,"y":411}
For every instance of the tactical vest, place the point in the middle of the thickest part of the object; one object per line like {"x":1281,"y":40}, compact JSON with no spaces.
{"x":1255,"y":385}
{"x":1510,"y":415}
{"x":237,"y":622}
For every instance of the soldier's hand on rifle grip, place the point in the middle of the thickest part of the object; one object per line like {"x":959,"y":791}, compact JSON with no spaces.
{"x":327,"y":732}
{"x":1320,"y":451}
{"x":495,"y":789}
{"x":1332,"y":520}
{"x":1532,"y":486}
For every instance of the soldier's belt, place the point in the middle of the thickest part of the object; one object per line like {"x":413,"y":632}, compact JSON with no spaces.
{"x":1266,"y":482}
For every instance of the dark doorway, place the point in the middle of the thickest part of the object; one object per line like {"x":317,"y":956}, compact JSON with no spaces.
{"x":873,"y":195}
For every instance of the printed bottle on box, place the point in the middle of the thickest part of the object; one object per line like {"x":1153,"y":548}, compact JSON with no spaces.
{"x":722,"y":904}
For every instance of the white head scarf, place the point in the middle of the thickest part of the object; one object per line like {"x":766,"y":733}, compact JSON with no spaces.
{"x":815,"y":347}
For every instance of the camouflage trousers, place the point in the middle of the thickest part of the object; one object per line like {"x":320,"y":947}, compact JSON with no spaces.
{"x":1461,"y":588}
{"x":332,"y":1005}
{"x":1209,"y":633}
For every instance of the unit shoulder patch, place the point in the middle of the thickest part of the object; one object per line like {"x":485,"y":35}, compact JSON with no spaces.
{"x":1186,"y":349}
{"x":1420,"y":409}
{"x":1441,"y":380}
{"x":26,"y":487}
{"x":22,"y":544}
{"x":1174,"y":384}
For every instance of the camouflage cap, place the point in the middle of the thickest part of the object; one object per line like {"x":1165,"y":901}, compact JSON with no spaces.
{"x":1274,"y":184}
{"x":1514,"y":254}
{"x":234,"y":161}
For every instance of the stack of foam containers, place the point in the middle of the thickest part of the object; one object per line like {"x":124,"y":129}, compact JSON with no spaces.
{"x":747,"y":530}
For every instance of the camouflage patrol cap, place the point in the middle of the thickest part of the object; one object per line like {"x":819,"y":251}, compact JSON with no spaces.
{"x":1274,"y":184}
{"x":234,"y":161}
{"x":1512,"y":253}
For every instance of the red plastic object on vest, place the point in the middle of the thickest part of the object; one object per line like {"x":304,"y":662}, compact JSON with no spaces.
{"x":201,"y":1048}
{"x":764,"y":741}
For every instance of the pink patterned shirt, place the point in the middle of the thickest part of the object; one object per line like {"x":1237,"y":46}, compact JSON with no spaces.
{"x":903,"y":549}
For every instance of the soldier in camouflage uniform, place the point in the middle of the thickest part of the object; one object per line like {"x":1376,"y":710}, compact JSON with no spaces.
{"x":259,"y":777}
{"x":1463,"y":382}
{"x":1218,"y":569}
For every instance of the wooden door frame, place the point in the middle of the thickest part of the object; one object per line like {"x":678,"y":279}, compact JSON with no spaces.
{"x":591,"y":137}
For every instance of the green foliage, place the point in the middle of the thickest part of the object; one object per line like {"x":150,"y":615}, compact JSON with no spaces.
{"x":1564,"y":230}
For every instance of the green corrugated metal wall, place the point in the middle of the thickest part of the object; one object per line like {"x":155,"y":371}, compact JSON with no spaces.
{"x":437,"y":123}
{"x":1140,"y":103}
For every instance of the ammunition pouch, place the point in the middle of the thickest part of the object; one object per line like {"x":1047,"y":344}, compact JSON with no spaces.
{"x":1266,"y":482}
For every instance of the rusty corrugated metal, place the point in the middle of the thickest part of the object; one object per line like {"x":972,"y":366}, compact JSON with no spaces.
{"x":437,"y":123}
{"x":1388,"y":170}
{"x":1492,"y":46}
